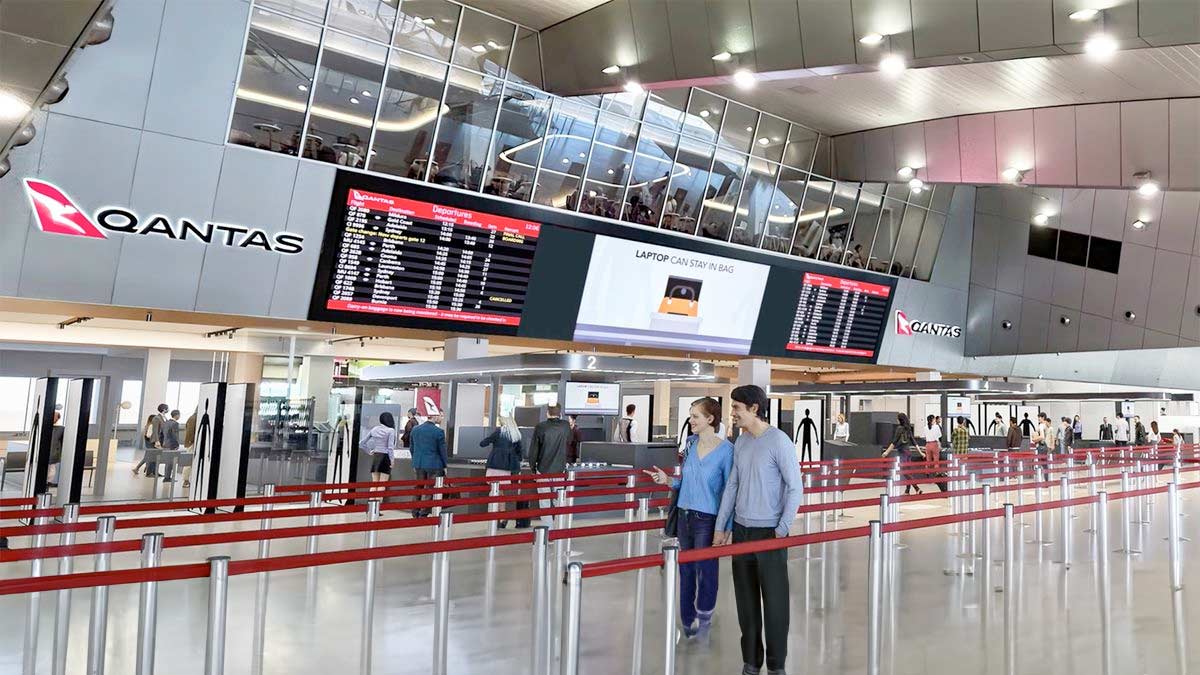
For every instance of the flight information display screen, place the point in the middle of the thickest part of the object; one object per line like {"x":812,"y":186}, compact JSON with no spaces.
{"x":845,"y":317}
{"x":408,"y":258}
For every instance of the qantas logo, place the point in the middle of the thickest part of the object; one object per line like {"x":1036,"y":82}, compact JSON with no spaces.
{"x":57,"y":214}
{"x":906,"y":326}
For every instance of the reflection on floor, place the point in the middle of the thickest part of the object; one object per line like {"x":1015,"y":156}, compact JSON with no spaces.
{"x":937,"y":619}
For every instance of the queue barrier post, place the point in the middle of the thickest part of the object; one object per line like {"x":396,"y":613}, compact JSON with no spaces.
{"x":62,"y":615}
{"x":875,"y":596}
{"x":368,"y":620}
{"x":314,"y":501}
{"x":439,"y":482}
{"x":570,"y":622}
{"x":541,"y":622}
{"x":33,"y":608}
{"x":1021,"y":488}
{"x":441,"y":607}
{"x":630,"y":483}
{"x":258,"y":643}
{"x":1010,"y":592}
{"x":670,"y":601}
{"x":98,"y":623}
{"x":493,"y":507}
{"x":1039,"y":533}
{"x":840,"y":482}
{"x":1104,"y":582}
{"x":218,"y":607}
{"x":152,"y":545}
{"x":985,"y":536}
{"x":639,"y":600}
{"x":1173,"y":536}
{"x":1126,"y":535}
{"x":1064,"y":521}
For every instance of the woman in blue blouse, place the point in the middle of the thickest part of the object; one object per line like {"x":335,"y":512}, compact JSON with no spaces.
{"x":707,"y":461}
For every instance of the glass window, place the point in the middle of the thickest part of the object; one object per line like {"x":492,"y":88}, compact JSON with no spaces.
{"x":689,"y":182}
{"x":189,"y":398}
{"x":427,"y":27}
{"x":347,"y":93}
{"x":608,"y":167}
{"x":866,"y":220}
{"x":921,"y":197}
{"x":650,"y":175}
{"x":465,"y":130}
{"x":311,"y":10}
{"x":906,"y":244}
{"x":785,"y":206}
{"x":705,"y":113}
{"x":277,"y":71}
{"x":484,"y":43}
{"x":724,"y":186}
{"x":408,"y":115}
{"x":131,"y":392}
{"x":884,"y":241}
{"x":624,"y":103}
{"x":837,"y":224}
{"x":518,"y":141}
{"x":571,"y":127}
{"x":526,"y":63}
{"x":755,"y":203}
{"x":810,"y":225}
{"x":770,"y":138}
{"x":372,"y":19}
{"x":14,"y":402}
{"x":665,"y":108}
{"x":800,"y":146}
{"x":738,"y":131}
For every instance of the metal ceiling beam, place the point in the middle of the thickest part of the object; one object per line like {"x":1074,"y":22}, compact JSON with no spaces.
{"x":971,"y":387}
{"x":588,"y":367}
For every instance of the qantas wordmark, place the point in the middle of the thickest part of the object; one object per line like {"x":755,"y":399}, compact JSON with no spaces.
{"x":907,"y":326}
{"x":57,"y":214}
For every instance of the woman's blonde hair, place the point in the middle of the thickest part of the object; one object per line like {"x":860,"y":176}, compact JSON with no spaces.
{"x":508,"y":426}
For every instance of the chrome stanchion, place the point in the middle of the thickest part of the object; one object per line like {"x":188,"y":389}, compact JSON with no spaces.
{"x":259,"y":639}
{"x":541,"y":622}
{"x":1126,"y":536}
{"x":1010,"y":592}
{"x":875,"y":595}
{"x":62,"y":615}
{"x":1064,"y":521}
{"x":670,"y":601}
{"x":493,"y":507}
{"x":368,"y":620}
{"x":1104,"y":582}
{"x":441,"y":607}
{"x":152,"y":545}
{"x":218,"y":604}
{"x":1093,"y":487}
{"x":1038,"y":530}
{"x":639,"y":600}
{"x":439,"y":482}
{"x":570,"y":619}
{"x":33,"y":609}
{"x":566,"y":521}
{"x":840,"y":482}
{"x":985,"y":536}
{"x":630,"y":483}
{"x":1021,"y":489}
{"x":98,"y":626}
{"x":1173,"y":536}
{"x":314,"y":501}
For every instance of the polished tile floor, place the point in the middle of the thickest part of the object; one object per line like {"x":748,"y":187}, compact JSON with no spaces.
{"x":937,"y":619}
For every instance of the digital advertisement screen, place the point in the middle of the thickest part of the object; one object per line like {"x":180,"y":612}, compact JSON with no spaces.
{"x":583,"y":398}
{"x":838,"y":316}
{"x":656,"y":296}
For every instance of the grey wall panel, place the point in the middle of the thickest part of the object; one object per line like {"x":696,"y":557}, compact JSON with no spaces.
{"x":560,"y":72}
{"x":1169,"y":22}
{"x":613,"y":21}
{"x":850,"y":156}
{"x":1168,"y":289}
{"x":977,"y":148}
{"x":1039,"y":279}
{"x":1185,"y":140}
{"x":886,"y":17}
{"x":776,"y":26}
{"x":1014,"y":24}
{"x":943,"y":28}
{"x":730,"y":30}
{"x":1068,"y":286}
{"x":111,"y":83}
{"x":93,"y":164}
{"x":981,"y":304}
{"x":950,"y":267}
{"x":16,"y":220}
{"x":310,"y":206}
{"x":985,"y":246}
{"x":1034,"y":318}
{"x":1125,"y":335}
{"x":1007,"y":308}
{"x":1013,"y":241}
{"x":1077,"y":206}
{"x":1014,"y":143}
{"x":211,"y":29}
{"x":652,"y":35}
{"x":1108,"y":214}
{"x":1099,"y":162}
{"x":1017,"y":205}
{"x":929,"y":302}
{"x":1133,"y":283}
{"x":1099,"y":292}
{"x":941,"y":150}
{"x":255,"y":189}
{"x":1054,"y":142}
{"x":826,"y":32}
{"x":1190,"y":326}
{"x":989,"y":199}
{"x":176,"y":178}
{"x":909,"y":140}
{"x":1144,"y":142}
{"x":1093,"y":332}
{"x":1156,"y":340}
{"x":1062,"y":337}
{"x":880,"y":153}
{"x":1178,"y":222}
{"x":690,"y":44}
{"x":1120,"y":20}
{"x":1149,"y":211}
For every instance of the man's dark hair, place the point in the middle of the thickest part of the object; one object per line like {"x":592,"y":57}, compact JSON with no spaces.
{"x":174,"y":413}
{"x":553,"y":410}
{"x":751,"y":394}
{"x":961,"y":421}
{"x":630,"y":408}
{"x":1012,"y":420}
{"x":163,"y":407}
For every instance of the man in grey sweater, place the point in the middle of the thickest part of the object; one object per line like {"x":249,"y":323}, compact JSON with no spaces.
{"x":762,"y":495}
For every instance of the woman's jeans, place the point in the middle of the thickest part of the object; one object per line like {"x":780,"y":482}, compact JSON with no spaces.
{"x":697,"y":580}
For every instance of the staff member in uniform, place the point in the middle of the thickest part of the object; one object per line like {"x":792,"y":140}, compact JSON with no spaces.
{"x":429,"y":458}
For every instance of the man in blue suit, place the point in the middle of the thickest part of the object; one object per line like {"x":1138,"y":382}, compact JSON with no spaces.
{"x":429,"y":458}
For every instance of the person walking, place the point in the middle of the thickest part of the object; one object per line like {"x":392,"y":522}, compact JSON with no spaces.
{"x":409,"y":425}
{"x":429,"y":459}
{"x":505,"y":457}
{"x":626,"y":429}
{"x":707,"y":462}
{"x":1121,"y":429}
{"x":152,"y":440}
{"x":1139,"y":431}
{"x":933,"y":439}
{"x":576,"y":439}
{"x":960,"y":438}
{"x":1106,"y":430}
{"x":380,"y":445}
{"x":997,"y":427}
{"x":1077,"y":429}
{"x":189,"y":440}
{"x":170,"y":441}
{"x":761,"y":496}
{"x":548,"y":451}
{"x":902,"y":446}
{"x":1013,"y":440}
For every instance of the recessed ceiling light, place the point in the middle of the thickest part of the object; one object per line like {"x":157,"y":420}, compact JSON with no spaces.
{"x":750,"y":129}
{"x":478,"y":49}
{"x":611,"y":172}
{"x":302,"y":87}
{"x":905,"y":172}
{"x":633,"y":87}
{"x":1083,"y":14}
{"x":744,"y":79}
{"x":871,"y":39}
{"x":1100,"y":45}
{"x":764,"y":141}
{"x":893,"y":64}
{"x":612,"y":70}
{"x":722,"y":57}
{"x":1041,"y":219}
{"x":354,"y":100}
{"x":582,"y":155}
{"x":494,"y":45}
{"x":1138,"y":224}
{"x":566,"y":160}
{"x":916,"y":184}
{"x":366,"y":93}
{"x":704,"y":113}
{"x":1147,"y":187}
{"x":1012,"y":174}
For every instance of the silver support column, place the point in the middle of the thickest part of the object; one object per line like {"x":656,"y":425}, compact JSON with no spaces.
{"x":541,"y":562}
{"x":570,"y":619}
{"x":218,"y":606}
{"x":368,"y":620}
{"x":441,"y":599}
{"x":62,"y":616}
{"x":33,"y":608}
{"x":670,"y":601}
{"x":152,"y":545}
{"x":875,"y":596}
{"x":98,"y":626}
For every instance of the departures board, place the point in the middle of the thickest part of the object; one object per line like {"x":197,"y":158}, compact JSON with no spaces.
{"x":838,"y":316}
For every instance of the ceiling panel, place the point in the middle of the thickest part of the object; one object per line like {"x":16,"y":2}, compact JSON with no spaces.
{"x":1014,"y":24}
{"x":536,"y":14}
{"x":690,"y":43}
{"x":1169,"y":21}
{"x":891,"y":18}
{"x":776,"y":34}
{"x":730,"y":31}
{"x":1185,"y":141}
{"x":826,"y":32}
{"x":945,"y":28}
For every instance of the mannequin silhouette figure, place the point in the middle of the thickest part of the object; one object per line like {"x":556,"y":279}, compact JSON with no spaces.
{"x":808,"y":431}
{"x":203,"y":440}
